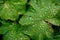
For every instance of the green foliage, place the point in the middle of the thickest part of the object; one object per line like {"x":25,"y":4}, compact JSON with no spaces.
{"x":12,"y":9}
{"x":30,"y":20}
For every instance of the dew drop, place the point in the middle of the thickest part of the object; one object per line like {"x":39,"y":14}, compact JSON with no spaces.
{"x":33,"y":25}
{"x":21,"y":38}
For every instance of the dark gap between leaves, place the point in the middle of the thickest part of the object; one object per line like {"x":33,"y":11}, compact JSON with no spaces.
{"x":0,"y":24}
{"x":1,"y":36}
{"x":0,"y":19}
{"x":27,"y":5}
{"x":28,"y":36}
{"x":19,"y":18}
{"x":7,"y":20}
{"x":56,"y":3}
{"x":55,"y":28}
{"x":10,"y":21}
{"x":28,"y":1}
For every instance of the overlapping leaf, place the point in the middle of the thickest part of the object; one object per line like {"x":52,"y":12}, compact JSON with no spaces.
{"x":34,"y":25}
{"x":40,"y":10}
{"x":11,"y":9}
{"x":12,"y":32}
{"x":44,"y":9}
{"x":39,"y":30}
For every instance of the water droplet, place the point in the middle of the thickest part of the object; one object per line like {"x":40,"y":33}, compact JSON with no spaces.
{"x":33,"y":25}
{"x":21,"y":38}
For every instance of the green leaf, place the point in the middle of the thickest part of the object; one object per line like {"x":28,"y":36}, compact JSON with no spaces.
{"x":5,"y":27}
{"x":26,"y":20}
{"x":32,"y":25}
{"x":55,"y":20}
{"x":21,"y":2}
{"x":44,"y":8}
{"x":11,"y":9}
{"x":39,"y":30}
{"x":8,"y":12}
{"x":30,"y":17}
{"x":19,"y":5}
{"x":14,"y":33}
{"x":36,"y":26}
